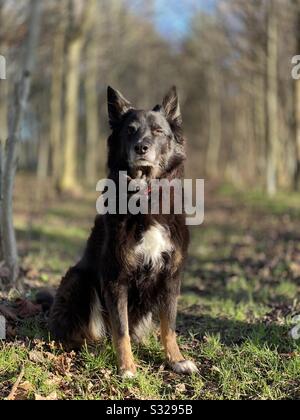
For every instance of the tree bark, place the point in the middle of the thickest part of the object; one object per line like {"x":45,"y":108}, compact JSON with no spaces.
{"x":3,"y":138}
{"x":75,"y":45}
{"x":3,"y":125}
{"x":272,"y":99}
{"x":297,"y":110}
{"x":56,"y":108}
{"x":260,"y":122}
{"x":215,"y":124}
{"x":22,"y":90}
{"x":92,"y":125}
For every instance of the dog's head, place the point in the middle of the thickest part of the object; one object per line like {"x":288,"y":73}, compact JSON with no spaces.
{"x":150,"y":141}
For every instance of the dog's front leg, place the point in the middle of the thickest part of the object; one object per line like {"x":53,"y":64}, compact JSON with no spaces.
{"x":177,"y":362}
{"x":116,"y":302}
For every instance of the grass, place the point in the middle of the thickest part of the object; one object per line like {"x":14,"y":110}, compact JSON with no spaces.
{"x":240,"y":292}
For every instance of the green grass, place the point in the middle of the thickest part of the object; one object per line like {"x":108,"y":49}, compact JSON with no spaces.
{"x":240,"y":292}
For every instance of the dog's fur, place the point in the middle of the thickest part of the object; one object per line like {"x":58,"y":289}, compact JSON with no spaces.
{"x":132,"y":265}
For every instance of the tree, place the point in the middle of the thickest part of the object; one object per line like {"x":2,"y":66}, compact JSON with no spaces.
{"x":92,"y":118}
{"x":56,"y":98}
{"x":3,"y":120}
{"x":22,"y":90}
{"x":297,"y":105}
{"x":76,"y":37}
{"x":273,"y":149}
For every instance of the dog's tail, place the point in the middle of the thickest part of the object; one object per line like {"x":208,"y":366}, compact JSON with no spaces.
{"x":45,"y":298}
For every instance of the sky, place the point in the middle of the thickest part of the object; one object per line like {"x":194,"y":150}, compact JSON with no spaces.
{"x":172,"y":17}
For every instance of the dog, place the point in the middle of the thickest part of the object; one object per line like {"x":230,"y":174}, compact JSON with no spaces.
{"x":131,"y":268}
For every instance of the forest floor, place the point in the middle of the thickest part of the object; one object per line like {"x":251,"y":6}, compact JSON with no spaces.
{"x":239,"y":295}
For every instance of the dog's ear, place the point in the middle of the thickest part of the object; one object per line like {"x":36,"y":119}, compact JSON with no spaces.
{"x":171,"y":108}
{"x":117,"y":106}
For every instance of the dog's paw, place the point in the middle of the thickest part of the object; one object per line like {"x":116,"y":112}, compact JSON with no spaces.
{"x":185,"y":367}
{"x":128,"y":371}
{"x":127,"y":374}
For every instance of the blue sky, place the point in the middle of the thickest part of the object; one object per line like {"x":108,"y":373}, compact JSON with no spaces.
{"x":172,"y":17}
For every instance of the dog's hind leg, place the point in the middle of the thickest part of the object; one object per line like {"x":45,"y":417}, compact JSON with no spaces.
{"x":76,"y":314}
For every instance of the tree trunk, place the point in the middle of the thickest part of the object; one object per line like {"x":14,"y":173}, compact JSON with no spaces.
{"x":3,"y":126}
{"x":260,"y":124}
{"x":69,"y":181}
{"x":43,"y":158}
{"x":92,"y":126}
{"x":21,"y":96}
{"x":272,"y":100}
{"x":297,"y":110}
{"x":69,"y":178}
{"x":215,"y":124}
{"x":3,"y":138}
{"x":56,"y":109}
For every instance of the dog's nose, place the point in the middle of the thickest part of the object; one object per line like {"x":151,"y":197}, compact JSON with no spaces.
{"x":141,"y":148}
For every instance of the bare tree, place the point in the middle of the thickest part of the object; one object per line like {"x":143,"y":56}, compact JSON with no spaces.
{"x":272,"y":99}
{"x":76,"y":37}
{"x":92,"y":118}
{"x":3,"y":120}
{"x":297,"y":104}
{"x":215,"y":122}
{"x":22,"y":90}
{"x":56,"y":99}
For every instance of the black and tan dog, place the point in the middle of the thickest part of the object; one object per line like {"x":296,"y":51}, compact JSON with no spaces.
{"x":132,"y":265}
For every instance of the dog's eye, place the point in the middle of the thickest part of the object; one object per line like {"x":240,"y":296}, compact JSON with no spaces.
{"x":157,"y":131}
{"x":131,"y":130}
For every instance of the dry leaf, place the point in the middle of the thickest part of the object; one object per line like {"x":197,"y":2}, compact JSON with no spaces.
{"x":37,"y":356}
{"x":50,"y":397}
{"x":180,"y":388}
{"x":13,"y":295}
{"x":63,"y":364}
{"x":23,"y":391}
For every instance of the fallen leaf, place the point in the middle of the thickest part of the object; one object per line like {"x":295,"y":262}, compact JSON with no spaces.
{"x":54,"y":380}
{"x":180,"y":388}
{"x":50,"y":397}
{"x":37,"y":356}
{"x":13,"y":295}
{"x":23,"y":391}
{"x":63,"y":364}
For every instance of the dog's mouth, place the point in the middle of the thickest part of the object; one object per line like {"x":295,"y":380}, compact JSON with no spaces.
{"x":142,"y":165}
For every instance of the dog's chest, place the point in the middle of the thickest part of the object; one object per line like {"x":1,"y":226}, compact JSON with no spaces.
{"x":155,"y":242}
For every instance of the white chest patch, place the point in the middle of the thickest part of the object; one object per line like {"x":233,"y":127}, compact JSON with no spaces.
{"x":153,"y":244}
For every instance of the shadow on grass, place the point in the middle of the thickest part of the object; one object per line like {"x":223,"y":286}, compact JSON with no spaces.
{"x":36,"y":238}
{"x":233,"y":332}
